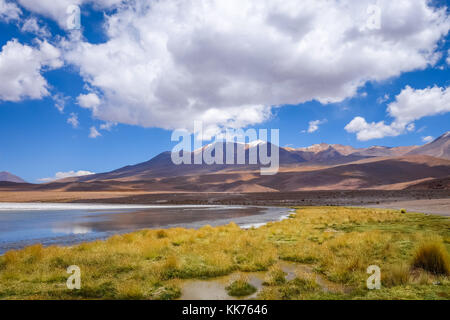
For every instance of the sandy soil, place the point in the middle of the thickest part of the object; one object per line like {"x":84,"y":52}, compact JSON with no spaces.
{"x":434,"y":206}
{"x":300,"y":198}
{"x":427,"y":201}
{"x":60,"y":196}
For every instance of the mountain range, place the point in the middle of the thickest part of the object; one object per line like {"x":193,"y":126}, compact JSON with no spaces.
{"x":318,"y":167}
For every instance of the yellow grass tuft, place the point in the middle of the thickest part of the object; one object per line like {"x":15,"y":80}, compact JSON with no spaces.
{"x":432,"y":257}
{"x":398,"y":274}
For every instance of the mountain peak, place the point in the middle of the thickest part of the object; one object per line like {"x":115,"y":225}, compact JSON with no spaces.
{"x":256,"y":143}
{"x":445,"y":135}
{"x":316,"y":147}
{"x":9,"y":177}
{"x":439,"y":147}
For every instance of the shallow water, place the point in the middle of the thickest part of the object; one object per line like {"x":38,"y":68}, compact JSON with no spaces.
{"x":65,"y":224}
{"x":214,"y":289}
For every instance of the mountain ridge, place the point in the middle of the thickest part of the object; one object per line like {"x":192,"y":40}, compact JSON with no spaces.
{"x":9,"y":177}
{"x":318,"y":167}
{"x":319,"y":154}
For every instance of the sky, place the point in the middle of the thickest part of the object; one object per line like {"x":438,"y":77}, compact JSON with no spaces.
{"x":93,"y":97}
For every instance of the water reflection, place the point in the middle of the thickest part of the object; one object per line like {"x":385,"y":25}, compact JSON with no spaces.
{"x":22,"y":225}
{"x":72,"y":230}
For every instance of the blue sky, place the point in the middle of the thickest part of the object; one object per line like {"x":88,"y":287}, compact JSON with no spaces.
{"x":37,"y":140}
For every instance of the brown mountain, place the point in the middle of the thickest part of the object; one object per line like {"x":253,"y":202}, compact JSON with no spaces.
{"x":439,"y":148}
{"x":387,"y":173}
{"x":9,"y":177}
{"x":319,"y":167}
{"x":432,"y":184}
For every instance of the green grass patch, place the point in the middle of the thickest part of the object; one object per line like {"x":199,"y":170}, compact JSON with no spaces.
{"x":240,"y":288}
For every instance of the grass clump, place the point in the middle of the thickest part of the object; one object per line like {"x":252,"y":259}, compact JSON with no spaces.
{"x":397,"y":275}
{"x":275,"y":276}
{"x":240,"y":288}
{"x":295,"y":288}
{"x":160,"y":234}
{"x":168,"y":292}
{"x":432,"y":257}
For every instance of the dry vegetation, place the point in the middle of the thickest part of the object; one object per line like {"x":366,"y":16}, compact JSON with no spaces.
{"x":337,"y":244}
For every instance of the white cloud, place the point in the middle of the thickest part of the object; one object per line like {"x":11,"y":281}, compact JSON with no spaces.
{"x":427,"y":139}
{"x":50,"y":8}
{"x":367,"y":131}
{"x":93,"y":133}
{"x":421,"y":129}
{"x":314,"y":125}
{"x":69,"y":174}
{"x":410,"y":127}
{"x":383,"y":99}
{"x":409,"y":106}
{"x":9,"y":11}
{"x":57,"y":10}
{"x":412,"y":104}
{"x":31,"y":25}
{"x":73,"y":120}
{"x":168,"y":63}
{"x":89,"y":101}
{"x":107,"y":126}
{"x":21,"y":67}
{"x":60,"y":101}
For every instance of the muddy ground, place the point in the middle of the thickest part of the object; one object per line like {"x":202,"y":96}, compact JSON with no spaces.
{"x":302,"y":198}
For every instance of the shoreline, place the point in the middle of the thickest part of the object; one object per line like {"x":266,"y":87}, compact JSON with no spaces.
{"x":317,"y":244}
{"x":297,"y":198}
{"x":258,"y":216}
{"x":294,"y":198}
{"x":440,"y":207}
{"x":106,"y":223}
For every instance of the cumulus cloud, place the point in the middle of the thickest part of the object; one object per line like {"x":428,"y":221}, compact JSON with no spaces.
{"x":367,"y":131}
{"x":9,"y":11}
{"x":57,"y":10}
{"x":73,"y":120}
{"x":314,"y":125}
{"x":427,"y":139}
{"x":64,"y":175}
{"x":31,"y":25}
{"x":50,"y":8}
{"x":227,"y":63}
{"x":21,"y":67}
{"x":93,"y":133}
{"x":89,"y":101}
{"x":409,"y":106}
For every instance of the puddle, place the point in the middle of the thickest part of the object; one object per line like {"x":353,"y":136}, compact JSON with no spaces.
{"x":292,"y":269}
{"x":214,"y":289}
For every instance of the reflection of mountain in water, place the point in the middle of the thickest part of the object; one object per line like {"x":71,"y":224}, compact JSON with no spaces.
{"x":22,"y":228}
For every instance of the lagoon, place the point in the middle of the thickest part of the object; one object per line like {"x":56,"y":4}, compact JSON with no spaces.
{"x":24,"y":224}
